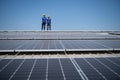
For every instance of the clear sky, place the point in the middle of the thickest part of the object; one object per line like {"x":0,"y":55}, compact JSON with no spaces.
{"x":65,"y":14}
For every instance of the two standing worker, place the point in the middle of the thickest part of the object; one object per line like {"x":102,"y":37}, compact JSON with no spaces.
{"x":44,"y":21}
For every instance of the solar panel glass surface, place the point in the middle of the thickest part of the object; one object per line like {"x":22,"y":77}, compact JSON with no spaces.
{"x":60,"y":69}
{"x":58,"y":44}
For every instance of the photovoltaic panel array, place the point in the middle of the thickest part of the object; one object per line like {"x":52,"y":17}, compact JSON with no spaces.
{"x":69,"y":67}
{"x":59,"y":45}
{"x":60,"y":69}
{"x":16,"y":41}
{"x":59,"y":35}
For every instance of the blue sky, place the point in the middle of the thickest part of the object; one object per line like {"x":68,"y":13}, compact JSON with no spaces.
{"x":65,"y":14}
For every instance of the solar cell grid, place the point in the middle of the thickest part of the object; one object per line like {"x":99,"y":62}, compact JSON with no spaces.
{"x":69,"y":70}
{"x":115,"y":60}
{"x":55,"y":34}
{"x":60,"y":69}
{"x":115,"y":68}
{"x":88,"y":70}
{"x":109,"y":43}
{"x":110,"y":75}
{"x":59,"y":44}
{"x":3,"y":63}
{"x":8,"y":70}
{"x":24,"y":70}
{"x":54,"y":70}
{"x":39,"y":71}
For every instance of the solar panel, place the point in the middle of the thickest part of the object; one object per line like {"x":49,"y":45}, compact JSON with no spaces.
{"x":60,"y":69}
{"x":59,"y":44}
{"x":58,"y":35}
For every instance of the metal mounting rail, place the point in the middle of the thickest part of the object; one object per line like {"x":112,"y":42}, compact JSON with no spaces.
{"x":59,"y":50}
{"x":60,"y":38}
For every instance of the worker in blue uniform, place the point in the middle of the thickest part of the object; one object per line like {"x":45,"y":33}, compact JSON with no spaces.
{"x":48,"y":23}
{"x":44,"y":20}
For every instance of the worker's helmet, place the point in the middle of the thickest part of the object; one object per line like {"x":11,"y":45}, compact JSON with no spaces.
{"x":43,"y":14}
{"x":48,"y":16}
